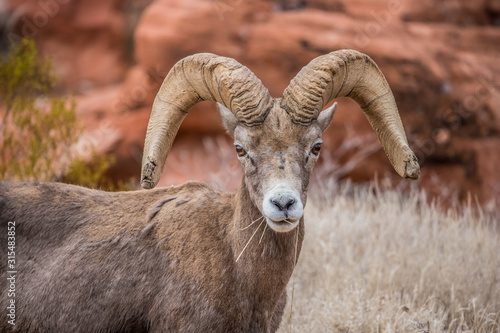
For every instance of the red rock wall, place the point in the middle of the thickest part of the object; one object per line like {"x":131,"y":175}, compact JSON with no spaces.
{"x":440,"y":58}
{"x":85,"y":38}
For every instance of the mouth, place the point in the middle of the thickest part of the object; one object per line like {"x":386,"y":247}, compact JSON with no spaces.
{"x":284,"y":225}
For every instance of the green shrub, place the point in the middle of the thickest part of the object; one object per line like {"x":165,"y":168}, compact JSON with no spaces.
{"x":38,"y":129}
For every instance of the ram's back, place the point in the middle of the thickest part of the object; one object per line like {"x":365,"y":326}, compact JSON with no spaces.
{"x":83,"y":253}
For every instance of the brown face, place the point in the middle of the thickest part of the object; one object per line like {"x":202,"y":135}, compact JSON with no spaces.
{"x":277,"y":158}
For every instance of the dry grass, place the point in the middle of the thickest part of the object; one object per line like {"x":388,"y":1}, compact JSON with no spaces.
{"x":378,"y":261}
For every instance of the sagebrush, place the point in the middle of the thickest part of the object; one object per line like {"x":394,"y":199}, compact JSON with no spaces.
{"x":38,"y":129}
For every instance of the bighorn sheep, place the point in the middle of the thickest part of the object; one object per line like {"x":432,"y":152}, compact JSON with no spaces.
{"x":166,"y":259}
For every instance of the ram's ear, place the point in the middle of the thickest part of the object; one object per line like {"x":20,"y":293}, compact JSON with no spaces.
{"x":325,"y":117}
{"x":228,"y":119}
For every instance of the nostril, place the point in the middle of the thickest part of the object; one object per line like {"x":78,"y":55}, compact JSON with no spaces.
{"x":277,"y":204}
{"x":283,"y":205}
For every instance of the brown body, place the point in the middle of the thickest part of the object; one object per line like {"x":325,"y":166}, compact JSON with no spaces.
{"x":137,"y":261}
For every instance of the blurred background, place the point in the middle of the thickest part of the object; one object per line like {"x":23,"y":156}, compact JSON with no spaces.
{"x":441,"y":58}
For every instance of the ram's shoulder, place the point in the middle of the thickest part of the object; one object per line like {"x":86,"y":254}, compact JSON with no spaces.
{"x":191,"y":195}
{"x":201,"y":189}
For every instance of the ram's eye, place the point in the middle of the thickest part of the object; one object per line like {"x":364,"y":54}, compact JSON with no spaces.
{"x":316,"y":148}
{"x":240,"y":151}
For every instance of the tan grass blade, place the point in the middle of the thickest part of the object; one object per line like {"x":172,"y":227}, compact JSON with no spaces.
{"x":249,"y":240}
{"x":293,"y":277}
{"x":265,"y":227}
{"x":253,"y":222}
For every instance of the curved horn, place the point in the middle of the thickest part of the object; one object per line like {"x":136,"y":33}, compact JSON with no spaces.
{"x":196,"y":78}
{"x":352,"y":74}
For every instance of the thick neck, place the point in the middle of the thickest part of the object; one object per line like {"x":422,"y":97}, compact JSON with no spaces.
{"x":268,"y":259}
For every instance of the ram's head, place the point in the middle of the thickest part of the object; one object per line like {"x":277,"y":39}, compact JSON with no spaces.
{"x":277,"y":140}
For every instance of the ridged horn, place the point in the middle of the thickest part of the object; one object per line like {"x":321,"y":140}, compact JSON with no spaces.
{"x":196,"y":78}
{"x":349,"y":73}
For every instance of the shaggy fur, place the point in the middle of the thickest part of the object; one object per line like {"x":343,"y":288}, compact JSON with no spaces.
{"x":134,"y":262}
